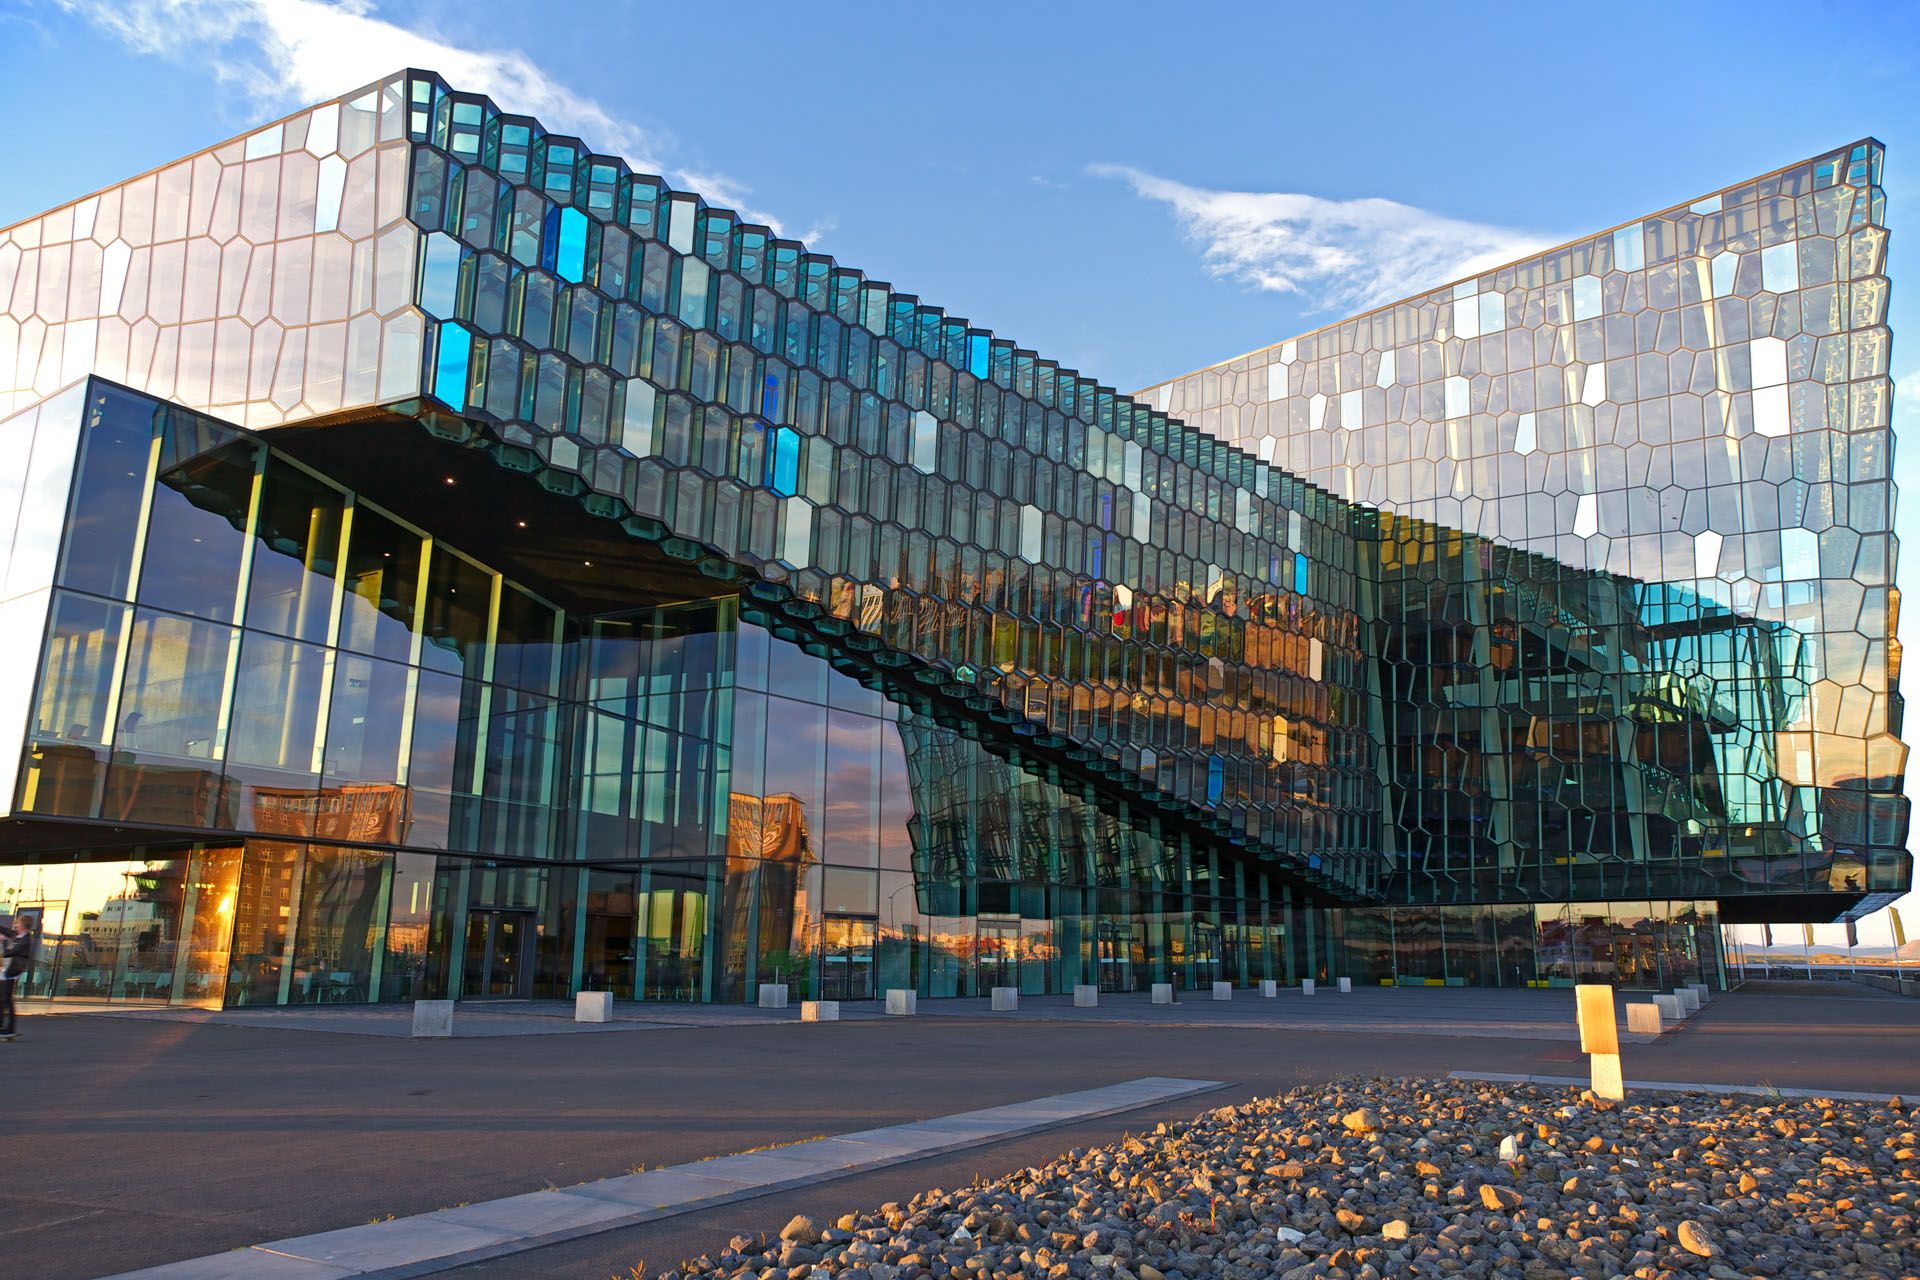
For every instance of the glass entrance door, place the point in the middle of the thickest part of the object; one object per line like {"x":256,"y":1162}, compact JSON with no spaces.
{"x":846,"y":958}
{"x":999,"y":954}
{"x":498,"y":944}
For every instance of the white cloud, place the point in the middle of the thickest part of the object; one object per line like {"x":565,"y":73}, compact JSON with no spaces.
{"x":1341,"y":254}
{"x":288,"y":53}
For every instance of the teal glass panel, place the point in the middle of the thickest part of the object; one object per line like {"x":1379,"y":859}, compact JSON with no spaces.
{"x":783,"y":462}
{"x":570,"y":256}
{"x":1300,"y":573}
{"x":450,"y":367}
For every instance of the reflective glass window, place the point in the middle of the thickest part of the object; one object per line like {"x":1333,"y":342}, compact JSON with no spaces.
{"x":196,"y":534}
{"x":458,"y":607}
{"x":365,"y":721}
{"x":109,"y":492}
{"x":297,"y":555}
{"x":276,"y":704}
{"x":382,"y":583}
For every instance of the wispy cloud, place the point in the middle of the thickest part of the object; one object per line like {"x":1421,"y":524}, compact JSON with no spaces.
{"x":285,"y":53}
{"x":1339,"y":254}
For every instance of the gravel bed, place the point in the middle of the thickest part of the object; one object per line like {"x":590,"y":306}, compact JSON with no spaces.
{"x":1376,"y":1178}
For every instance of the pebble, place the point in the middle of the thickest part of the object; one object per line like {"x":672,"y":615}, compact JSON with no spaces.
{"x":1368,"y":1179}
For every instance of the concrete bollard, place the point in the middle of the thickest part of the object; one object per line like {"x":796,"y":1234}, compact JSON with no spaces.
{"x":1600,"y":1038}
{"x":1223,"y":991}
{"x":1269,"y":988}
{"x":1689,"y":999}
{"x":1346,"y":986}
{"x":1701,"y":990}
{"x":1086,"y":997}
{"x":1163,"y":993}
{"x":1006,"y":999}
{"x":773,"y":995}
{"x":1643,"y":1019}
{"x":432,"y":1019}
{"x":819,"y":1011}
{"x":902,"y":1002}
{"x":1306,"y":986}
{"x":1669,"y":1007}
{"x":593,"y":1006}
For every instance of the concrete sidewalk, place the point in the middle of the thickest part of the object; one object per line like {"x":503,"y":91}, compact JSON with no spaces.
{"x":449,"y":1238}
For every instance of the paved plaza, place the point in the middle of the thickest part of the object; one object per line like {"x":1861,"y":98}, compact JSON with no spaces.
{"x":1468,"y":1011}
{"x":161,"y":1137}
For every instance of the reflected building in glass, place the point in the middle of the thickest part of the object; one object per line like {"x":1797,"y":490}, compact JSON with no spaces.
{"x":437,"y":560}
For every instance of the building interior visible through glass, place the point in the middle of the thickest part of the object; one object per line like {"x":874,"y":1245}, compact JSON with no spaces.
{"x":436,"y":560}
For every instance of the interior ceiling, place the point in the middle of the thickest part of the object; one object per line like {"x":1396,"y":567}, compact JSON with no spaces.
{"x":546,"y":541}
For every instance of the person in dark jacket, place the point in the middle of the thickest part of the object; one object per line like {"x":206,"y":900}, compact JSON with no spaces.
{"x":16,"y":949}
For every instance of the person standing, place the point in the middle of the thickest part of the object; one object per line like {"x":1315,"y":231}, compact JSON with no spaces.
{"x":16,"y":950}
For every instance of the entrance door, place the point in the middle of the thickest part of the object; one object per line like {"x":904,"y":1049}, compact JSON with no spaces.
{"x":499,"y":944}
{"x":999,"y":954}
{"x":846,"y":959}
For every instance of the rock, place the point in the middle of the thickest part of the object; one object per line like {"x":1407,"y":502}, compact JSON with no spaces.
{"x":1287,"y":1235}
{"x":1147,"y":1271}
{"x":1394,"y":1230}
{"x":801,"y":1230}
{"x":1693,"y":1238}
{"x":1362,"y":1120}
{"x":1748,"y":1183}
{"x":1499,"y":1199}
{"x":1349,"y":1221}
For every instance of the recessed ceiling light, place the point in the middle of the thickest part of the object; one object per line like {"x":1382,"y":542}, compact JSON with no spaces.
{"x":449,"y":479}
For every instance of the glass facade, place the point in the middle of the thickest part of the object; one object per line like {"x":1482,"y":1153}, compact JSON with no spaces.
{"x":646,"y":604}
{"x":1697,"y":402}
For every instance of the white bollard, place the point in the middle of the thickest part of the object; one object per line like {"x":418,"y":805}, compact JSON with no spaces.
{"x":902,"y":1002}
{"x":1600,"y":1037}
{"x":1269,"y":988}
{"x":1006,"y":999}
{"x":1702,"y":990}
{"x":1163,"y":993}
{"x":1643,"y":1019}
{"x":1306,"y":986}
{"x":1346,"y":986}
{"x":1689,"y":999}
{"x":1223,"y":991}
{"x":819,"y":1011}
{"x":1670,"y":1008}
{"x":593,"y":1006}
{"x":1085,"y":997}
{"x":432,"y":1019}
{"x":773,"y":995}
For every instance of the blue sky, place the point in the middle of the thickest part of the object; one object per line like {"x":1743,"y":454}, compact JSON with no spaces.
{"x":1061,"y":173}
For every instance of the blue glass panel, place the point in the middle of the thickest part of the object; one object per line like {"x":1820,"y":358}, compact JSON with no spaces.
{"x":783,"y":462}
{"x":450,"y":368}
{"x":440,"y":277}
{"x":979,"y":354}
{"x":770,"y":398}
{"x":1300,"y":573}
{"x":1216,"y":778}
{"x":570,"y":259}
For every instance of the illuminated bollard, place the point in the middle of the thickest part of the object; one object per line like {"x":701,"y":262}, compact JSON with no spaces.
{"x":1600,"y":1038}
